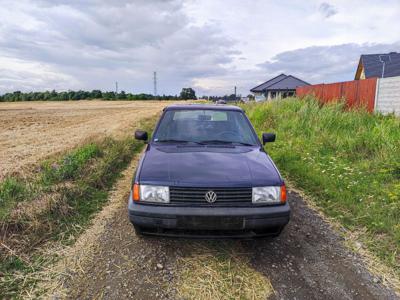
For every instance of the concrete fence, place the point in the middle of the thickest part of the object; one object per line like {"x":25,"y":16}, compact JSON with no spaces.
{"x":387,"y":98}
{"x":375,"y":94}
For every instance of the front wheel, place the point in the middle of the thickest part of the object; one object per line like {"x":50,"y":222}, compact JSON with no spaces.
{"x":138,"y":230}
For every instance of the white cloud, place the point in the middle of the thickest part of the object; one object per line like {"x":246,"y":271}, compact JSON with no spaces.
{"x":323,"y":63}
{"x":98,"y":43}
{"x":28,"y":76}
{"x":327,"y":10}
{"x":210,"y":44}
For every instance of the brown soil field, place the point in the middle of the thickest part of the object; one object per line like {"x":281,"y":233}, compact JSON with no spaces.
{"x":32,"y":131}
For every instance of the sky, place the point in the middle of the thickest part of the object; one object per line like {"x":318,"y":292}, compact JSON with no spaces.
{"x":209,"y":45}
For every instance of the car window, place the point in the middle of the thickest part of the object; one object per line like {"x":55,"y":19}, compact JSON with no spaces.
{"x":205,"y":126}
{"x":208,"y":115}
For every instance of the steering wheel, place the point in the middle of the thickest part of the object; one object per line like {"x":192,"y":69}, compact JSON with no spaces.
{"x":227,"y":133}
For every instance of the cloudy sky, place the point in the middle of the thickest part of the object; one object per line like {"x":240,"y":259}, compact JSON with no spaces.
{"x":210,"y":45}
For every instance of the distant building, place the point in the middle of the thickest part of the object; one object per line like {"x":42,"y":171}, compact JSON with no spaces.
{"x":281,"y":86}
{"x":378,"y":65}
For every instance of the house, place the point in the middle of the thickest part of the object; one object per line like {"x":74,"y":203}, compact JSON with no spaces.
{"x":281,"y":86}
{"x":378,"y":65}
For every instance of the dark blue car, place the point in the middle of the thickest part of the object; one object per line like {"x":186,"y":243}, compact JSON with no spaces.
{"x":205,"y":174}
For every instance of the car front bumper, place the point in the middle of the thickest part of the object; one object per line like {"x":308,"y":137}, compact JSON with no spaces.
{"x":208,"y":221}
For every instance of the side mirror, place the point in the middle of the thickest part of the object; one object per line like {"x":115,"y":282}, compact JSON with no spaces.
{"x":268,"y":138}
{"x":141,"y":135}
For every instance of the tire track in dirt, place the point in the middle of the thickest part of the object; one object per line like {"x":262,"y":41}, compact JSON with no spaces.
{"x":108,"y":260}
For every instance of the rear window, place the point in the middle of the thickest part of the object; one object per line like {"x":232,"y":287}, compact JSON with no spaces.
{"x":205,"y":115}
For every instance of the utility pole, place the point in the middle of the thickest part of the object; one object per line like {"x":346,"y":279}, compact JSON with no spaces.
{"x":235,"y":92}
{"x":385,"y":58}
{"x":155,"y":83}
{"x":383,"y":63}
{"x":116,"y":87}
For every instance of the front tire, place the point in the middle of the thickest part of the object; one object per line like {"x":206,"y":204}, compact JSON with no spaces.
{"x":138,"y":230}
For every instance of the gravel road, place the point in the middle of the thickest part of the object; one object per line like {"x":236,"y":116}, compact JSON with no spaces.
{"x":308,"y":261}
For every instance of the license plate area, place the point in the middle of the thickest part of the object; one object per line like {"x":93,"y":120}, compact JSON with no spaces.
{"x":210,"y":223}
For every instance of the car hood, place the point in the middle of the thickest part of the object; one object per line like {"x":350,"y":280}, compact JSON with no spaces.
{"x":208,"y":166}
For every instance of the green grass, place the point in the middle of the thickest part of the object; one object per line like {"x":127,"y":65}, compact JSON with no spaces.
{"x":77,"y":184}
{"x":70,"y":166}
{"x":348,"y":161}
{"x":12,"y":191}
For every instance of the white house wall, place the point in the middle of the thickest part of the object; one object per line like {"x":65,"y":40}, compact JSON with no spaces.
{"x":388,"y":95}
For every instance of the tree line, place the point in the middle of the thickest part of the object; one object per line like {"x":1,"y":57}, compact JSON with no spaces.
{"x":187,"y":93}
{"x":231,"y":97}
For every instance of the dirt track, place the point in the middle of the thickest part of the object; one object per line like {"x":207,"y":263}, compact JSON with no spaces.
{"x":31,"y":131}
{"x":308,"y":261}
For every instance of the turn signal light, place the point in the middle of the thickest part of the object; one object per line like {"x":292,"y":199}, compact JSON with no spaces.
{"x":136,"y":194}
{"x":283,"y":194}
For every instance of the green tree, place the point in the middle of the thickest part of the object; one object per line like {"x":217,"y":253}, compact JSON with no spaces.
{"x":188,"y":93}
{"x":96,"y":94}
{"x":121,"y":95}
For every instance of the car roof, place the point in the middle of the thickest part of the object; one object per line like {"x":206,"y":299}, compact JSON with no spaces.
{"x":203,"y":106}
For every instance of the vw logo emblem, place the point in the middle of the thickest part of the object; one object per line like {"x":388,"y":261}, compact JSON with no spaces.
{"x":210,"y":197}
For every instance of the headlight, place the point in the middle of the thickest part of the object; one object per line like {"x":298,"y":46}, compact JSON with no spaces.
{"x":154,"y":193}
{"x":269,"y":194}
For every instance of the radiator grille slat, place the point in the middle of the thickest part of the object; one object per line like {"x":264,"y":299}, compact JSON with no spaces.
{"x":196,"y":196}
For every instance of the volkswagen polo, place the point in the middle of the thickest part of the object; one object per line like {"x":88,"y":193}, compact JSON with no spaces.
{"x":205,"y":173}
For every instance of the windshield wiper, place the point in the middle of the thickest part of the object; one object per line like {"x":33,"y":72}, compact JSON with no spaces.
{"x":215,"y":142}
{"x":225,"y":142}
{"x":203,"y":142}
{"x":171,"y":141}
{"x":177,"y":141}
{"x":243,"y":144}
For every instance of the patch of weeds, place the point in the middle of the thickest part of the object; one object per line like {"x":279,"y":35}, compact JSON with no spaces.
{"x":70,"y":166}
{"x":348,"y":161}
{"x":12,"y":268}
{"x":12,"y":191}
{"x":219,"y":272}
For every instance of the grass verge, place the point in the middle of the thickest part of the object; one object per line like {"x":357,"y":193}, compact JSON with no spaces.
{"x":347,"y":161}
{"x":55,"y":205}
{"x":218,"y":271}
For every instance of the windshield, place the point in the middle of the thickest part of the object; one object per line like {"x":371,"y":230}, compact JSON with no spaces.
{"x":205,"y":126}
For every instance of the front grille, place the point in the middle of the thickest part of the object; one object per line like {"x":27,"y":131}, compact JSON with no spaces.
{"x":196,"y":196}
